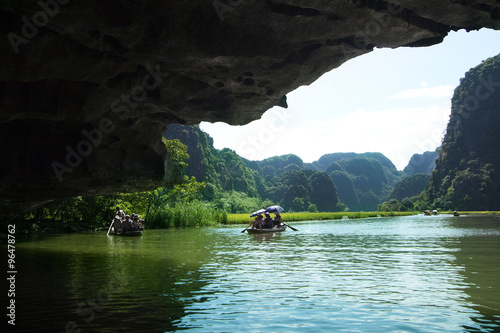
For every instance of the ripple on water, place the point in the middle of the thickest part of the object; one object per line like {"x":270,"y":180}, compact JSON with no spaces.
{"x":360,"y":281}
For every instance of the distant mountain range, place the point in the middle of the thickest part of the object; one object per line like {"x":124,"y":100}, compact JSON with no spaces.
{"x":358,"y":182}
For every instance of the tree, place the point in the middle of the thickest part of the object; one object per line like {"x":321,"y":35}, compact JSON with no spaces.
{"x":312,"y":208}
{"x":392,"y":205}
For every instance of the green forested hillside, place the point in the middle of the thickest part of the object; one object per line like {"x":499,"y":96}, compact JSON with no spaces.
{"x":410,"y":186}
{"x":238,"y":185}
{"x":467,"y":175}
{"x":358,"y":182}
{"x":421,"y":163}
{"x":363,"y":180}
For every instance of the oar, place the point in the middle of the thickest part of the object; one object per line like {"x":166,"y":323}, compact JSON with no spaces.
{"x":110,"y":227}
{"x":289,"y":226}
{"x":247,"y":227}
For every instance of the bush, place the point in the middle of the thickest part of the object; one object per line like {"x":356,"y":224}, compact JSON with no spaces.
{"x":312,"y":208}
{"x":187,"y":214}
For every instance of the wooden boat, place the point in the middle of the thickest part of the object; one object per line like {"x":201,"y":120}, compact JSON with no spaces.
{"x":266,"y":231}
{"x":131,"y":233}
{"x":126,"y":233}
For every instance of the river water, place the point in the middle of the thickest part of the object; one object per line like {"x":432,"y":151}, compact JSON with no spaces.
{"x":404,"y":274}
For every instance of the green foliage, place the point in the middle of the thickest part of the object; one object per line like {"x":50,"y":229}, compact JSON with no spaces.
{"x":466,"y":175}
{"x":223,"y":171}
{"x":296,"y":190}
{"x":235,"y":184}
{"x":323,"y":192}
{"x":186,"y":214}
{"x":312,"y":208}
{"x":178,"y":202}
{"x":177,"y":152}
{"x":346,"y":191}
{"x":334,"y":166}
{"x":93,"y":211}
{"x":410,"y":186}
{"x":421,"y":163}
{"x":189,"y":190}
{"x":392,"y":205}
{"x":237,"y":202}
{"x":321,"y":216}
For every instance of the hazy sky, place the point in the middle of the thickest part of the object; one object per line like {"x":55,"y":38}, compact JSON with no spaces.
{"x":393,"y":101}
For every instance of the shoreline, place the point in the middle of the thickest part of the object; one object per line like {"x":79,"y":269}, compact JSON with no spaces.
{"x":306,"y":216}
{"x":29,"y":228}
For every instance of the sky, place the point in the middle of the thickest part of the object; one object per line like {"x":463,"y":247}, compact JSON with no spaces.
{"x":393,"y":101}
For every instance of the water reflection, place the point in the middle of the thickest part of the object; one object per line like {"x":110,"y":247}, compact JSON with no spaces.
{"x":415,"y":274}
{"x":108,"y":284}
{"x":479,"y":255}
{"x":371,"y":276}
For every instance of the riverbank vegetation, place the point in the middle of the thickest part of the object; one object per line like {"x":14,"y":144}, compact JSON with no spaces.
{"x":165,"y":207}
{"x":324,"y":216}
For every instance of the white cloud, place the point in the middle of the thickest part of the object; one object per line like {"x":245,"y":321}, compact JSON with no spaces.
{"x":433,"y":92}
{"x":397,"y":133}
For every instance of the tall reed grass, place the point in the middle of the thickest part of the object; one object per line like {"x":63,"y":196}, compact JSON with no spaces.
{"x":306,"y":216}
{"x":184,"y":215}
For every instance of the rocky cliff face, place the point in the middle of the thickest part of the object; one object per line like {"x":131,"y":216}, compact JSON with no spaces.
{"x":87,"y":87}
{"x":467,"y":175}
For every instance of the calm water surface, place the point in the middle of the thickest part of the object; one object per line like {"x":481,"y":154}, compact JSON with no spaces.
{"x":405,"y":274}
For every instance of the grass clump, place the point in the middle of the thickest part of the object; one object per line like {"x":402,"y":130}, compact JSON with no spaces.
{"x":185,"y":215}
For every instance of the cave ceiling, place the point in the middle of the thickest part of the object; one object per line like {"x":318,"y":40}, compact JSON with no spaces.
{"x":88,"y":87}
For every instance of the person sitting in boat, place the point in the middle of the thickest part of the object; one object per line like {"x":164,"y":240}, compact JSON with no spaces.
{"x":277,"y":220}
{"x":128,"y":224}
{"x":268,"y":221}
{"x":117,"y":225}
{"x":138,"y":223}
{"x":119,"y":213}
{"x":258,"y":222}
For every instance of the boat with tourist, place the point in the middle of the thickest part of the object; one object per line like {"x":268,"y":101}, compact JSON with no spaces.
{"x":267,"y":225}
{"x":125,"y":225}
{"x":128,"y":233}
{"x":267,"y":230}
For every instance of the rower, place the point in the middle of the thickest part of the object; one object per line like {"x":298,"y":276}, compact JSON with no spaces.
{"x":277,"y":220}
{"x":119,"y":213}
{"x":117,"y":225}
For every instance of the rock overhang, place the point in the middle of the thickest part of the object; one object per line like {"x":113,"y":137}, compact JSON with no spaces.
{"x":88,"y":87}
